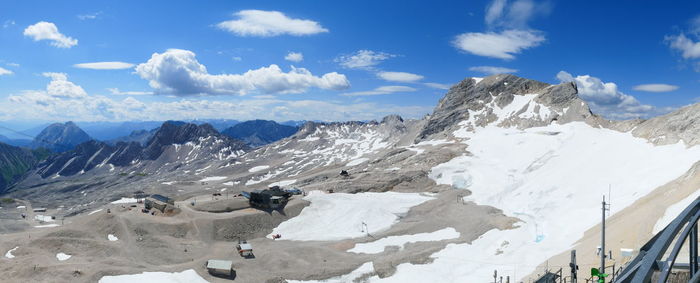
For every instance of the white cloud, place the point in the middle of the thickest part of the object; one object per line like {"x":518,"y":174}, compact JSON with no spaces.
{"x":401,"y":77}
{"x":43,"y":105}
{"x":607,"y":100}
{"x":116,"y":91}
{"x":689,"y":49}
{"x":491,"y":70}
{"x":438,"y":85}
{"x":4,"y":71}
{"x":381,"y":90}
{"x":236,"y":58}
{"x":13,"y":64}
{"x":178,"y":72}
{"x":269,"y":23}
{"x":49,"y":31}
{"x":656,"y":87}
{"x":494,"y":11}
{"x":294,"y":57}
{"x":104,"y":65}
{"x":508,"y":32}
{"x":362,"y":59}
{"x":8,"y":23}
{"x":89,"y":16}
{"x":514,"y":14}
{"x":502,"y":45}
{"x":60,"y":86}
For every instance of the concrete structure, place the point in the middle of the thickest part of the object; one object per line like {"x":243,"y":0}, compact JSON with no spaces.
{"x":221,"y":268}
{"x":271,"y":198}
{"x":158,"y":202}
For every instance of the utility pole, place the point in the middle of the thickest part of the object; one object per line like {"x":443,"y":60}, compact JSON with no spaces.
{"x":573,"y":266}
{"x":605,"y":207}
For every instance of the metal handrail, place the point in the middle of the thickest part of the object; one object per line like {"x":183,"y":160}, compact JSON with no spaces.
{"x":641,"y":268}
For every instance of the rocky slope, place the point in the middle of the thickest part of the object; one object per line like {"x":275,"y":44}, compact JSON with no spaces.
{"x":15,"y":162}
{"x":59,"y":137}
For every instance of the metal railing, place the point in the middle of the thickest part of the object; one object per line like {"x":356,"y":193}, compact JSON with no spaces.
{"x":649,"y":260}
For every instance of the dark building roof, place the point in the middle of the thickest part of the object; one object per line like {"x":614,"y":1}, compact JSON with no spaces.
{"x":160,"y":198}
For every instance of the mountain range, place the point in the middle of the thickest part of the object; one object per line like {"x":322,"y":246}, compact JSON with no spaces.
{"x":509,"y":162}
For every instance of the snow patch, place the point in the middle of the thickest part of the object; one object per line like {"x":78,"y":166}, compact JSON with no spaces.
{"x":43,"y":218}
{"x":9,"y":254}
{"x":94,"y":211}
{"x":378,"y":246}
{"x":125,"y":200}
{"x":338,"y":216}
{"x":258,"y":168}
{"x":112,"y":238}
{"x":62,"y":256}
{"x":214,"y":178}
{"x":187,"y":276}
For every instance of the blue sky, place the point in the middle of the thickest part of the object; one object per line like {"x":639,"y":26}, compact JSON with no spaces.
{"x":354,"y":60}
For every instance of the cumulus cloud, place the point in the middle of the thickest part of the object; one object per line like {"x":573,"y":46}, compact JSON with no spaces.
{"x":401,"y":77}
{"x":491,"y":70}
{"x":437,"y":85}
{"x":269,"y":23}
{"x":381,"y":90}
{"x":52,"y":105}
{"x":294,"y":57}
{"x":607,"y":100}
{"x":501,"y":45}
{"x":178,"y":72}
{"x":60,"y":86}
{"x":656,"y":87}
{"x":4,"y":71}
{"x":49,"y":31}
{"x":362,"y":59}
{"x":104,"y":65}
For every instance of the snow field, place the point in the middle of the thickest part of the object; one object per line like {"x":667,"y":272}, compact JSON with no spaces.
{"x":551,"y":178}
{"x":338,"y":216}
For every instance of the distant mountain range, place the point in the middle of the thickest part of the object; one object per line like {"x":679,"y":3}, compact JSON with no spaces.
{"x":15,"y":142}
{"x":260,"y":132}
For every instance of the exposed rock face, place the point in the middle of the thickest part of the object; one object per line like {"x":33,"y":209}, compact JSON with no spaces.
{"x":259,"y":132}
{"x":60,"y":137}
{"x":86,"y":157}
{"x":510,"y":101}
{"x":683,"y":124}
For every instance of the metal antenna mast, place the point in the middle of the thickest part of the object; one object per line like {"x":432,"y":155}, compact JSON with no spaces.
{"x":603,"y":254}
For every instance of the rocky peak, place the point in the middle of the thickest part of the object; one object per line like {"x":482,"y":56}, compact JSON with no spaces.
{"x":60,"y":137}
{"x":509,"y":101}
